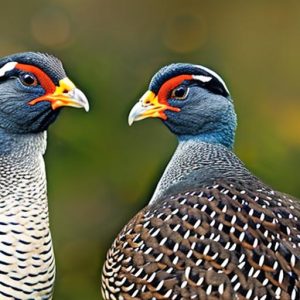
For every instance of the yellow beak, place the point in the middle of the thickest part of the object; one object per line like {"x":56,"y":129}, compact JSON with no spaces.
{"x":149,"y":107}
{"x":66,"y":94}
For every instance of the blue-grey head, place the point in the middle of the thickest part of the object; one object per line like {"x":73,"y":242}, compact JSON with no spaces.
{"x":193,"y":101}
{"x":33,"y":89}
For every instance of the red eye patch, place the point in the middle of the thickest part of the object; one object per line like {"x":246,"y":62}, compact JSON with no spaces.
{"x":169,"y":85}
{"x":44,"y":80}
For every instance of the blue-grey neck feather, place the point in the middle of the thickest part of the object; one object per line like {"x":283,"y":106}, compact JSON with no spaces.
{"x":19,"y":145}
{"x":225,"y":136}
{"x":196,"y":163}
{"x":220,"y":131}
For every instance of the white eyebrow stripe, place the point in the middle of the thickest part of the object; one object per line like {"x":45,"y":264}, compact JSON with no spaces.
{"x":7,"y":67}
{"x":214,"y":74}
{"x":202,"y":78}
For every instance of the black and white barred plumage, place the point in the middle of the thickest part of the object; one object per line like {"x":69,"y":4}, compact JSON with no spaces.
{"x":27,"y":267}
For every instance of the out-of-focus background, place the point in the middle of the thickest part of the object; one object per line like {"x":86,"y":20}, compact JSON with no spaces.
{"x":100,"y":171}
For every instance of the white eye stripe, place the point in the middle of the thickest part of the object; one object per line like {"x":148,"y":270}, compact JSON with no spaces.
{"x":202,"y":78}
{"x":7,"y":67}
{"x":214,"y":74}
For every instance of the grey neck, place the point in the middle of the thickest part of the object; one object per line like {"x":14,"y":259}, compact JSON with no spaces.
{"x":22,"y":170}
{"x":196,"y":163}
{"x":20,"y":145}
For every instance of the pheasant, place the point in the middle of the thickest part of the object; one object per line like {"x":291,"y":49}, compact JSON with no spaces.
{"x":33,"y":89}
{"x":212,"y":229}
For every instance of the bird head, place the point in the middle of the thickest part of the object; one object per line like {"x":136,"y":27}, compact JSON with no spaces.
{"x":193,"y":101}
{"x":33,"y":89}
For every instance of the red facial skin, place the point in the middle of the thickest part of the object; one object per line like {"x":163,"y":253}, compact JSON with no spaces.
{"x":165,"y":90}
{"x":41,"y":76}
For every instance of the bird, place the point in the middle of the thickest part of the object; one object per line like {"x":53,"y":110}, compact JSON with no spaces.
{"x":212,"y":229}
{"x":33,"y":89}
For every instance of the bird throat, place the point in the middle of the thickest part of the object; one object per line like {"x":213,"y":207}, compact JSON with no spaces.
{"x":22,"y":145}
{"x":22,"y":173}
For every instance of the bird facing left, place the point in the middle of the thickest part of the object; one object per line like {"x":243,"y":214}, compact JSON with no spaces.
{"x":33,"y":89}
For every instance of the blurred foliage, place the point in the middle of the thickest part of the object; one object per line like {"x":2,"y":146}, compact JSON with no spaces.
{"x":100,"y":171}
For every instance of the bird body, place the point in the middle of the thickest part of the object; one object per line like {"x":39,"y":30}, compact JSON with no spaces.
{"x":31,"y":96}
{"x":212,"y":230}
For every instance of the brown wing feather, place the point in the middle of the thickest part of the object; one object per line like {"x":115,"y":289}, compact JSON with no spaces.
{"x":224,"y":241}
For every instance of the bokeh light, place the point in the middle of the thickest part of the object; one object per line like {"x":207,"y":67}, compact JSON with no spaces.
{"x":51,"y":27}
{"x":185,"y":33}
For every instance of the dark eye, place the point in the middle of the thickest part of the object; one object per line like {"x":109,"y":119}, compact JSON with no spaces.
{"x":180,"y":92}
{"x":28,"y":79}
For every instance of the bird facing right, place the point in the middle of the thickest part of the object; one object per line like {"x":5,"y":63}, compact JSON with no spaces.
{"x":212,"y":230}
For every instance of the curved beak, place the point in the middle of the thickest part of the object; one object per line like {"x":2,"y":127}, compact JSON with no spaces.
{"x":66,"y":94}
{"x":149,"y":107}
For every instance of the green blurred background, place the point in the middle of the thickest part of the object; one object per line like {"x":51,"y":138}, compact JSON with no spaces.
{"x":100,"y":171}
